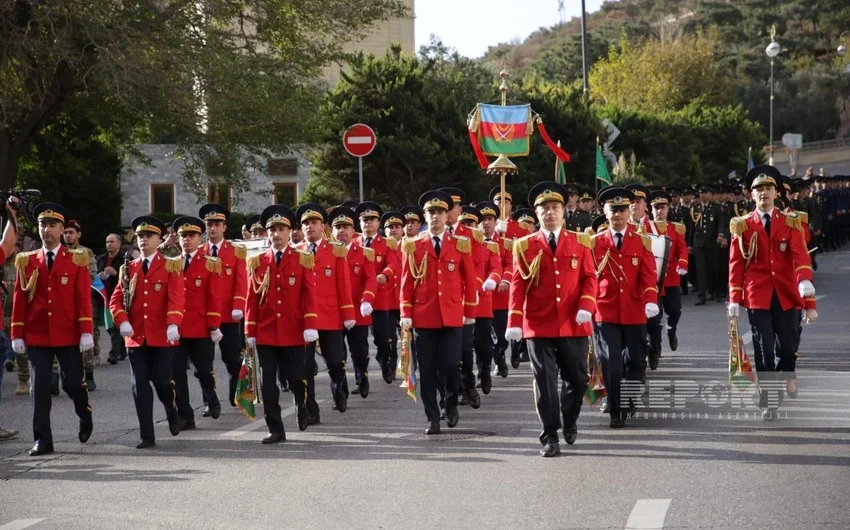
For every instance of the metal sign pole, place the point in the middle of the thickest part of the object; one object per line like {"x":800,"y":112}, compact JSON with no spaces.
{"x":360,"y":171}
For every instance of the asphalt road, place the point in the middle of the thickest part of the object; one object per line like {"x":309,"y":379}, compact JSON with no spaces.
{"x":708,"y":461}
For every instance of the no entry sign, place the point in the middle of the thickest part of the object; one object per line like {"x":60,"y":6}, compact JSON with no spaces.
{"x":359,"y":140}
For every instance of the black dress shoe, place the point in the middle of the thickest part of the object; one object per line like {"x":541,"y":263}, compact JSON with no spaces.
{"x":86,"y":428}
{"x":433,"y":428}
{"x":112,"y":360}
{"x":313,"y":420}
{"x":523,"y":357}
{"x":515,"y":361}
{"x":462,"y":400}
{"x":486,"y":384}
{"x":389,"y":373}
{"x":174,"y":422}
{"x":41,"y":448}
{"x":550,"y":449}
{"x":187,"y":426}
{"x":618,"y":420}
{"x":364,"y":386}
{"x":340,"y":402}
{"x":474,"y":398}
{"x":215,"y":412}
{"x":570,"y":436}
{"x":145,"y":444}
{"x":303,"y":417}
{"x":206,"y":413}
{"x":674,"y":341}
{"x":653,"y":359}
{"x":274,"y":438}
{"x":452,"y":416}
{"x":502,"y":369}
{"x":605,"y":408}
{"x":791,"y":394}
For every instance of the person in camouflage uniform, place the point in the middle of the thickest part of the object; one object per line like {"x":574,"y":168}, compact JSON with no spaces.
{"x":72,"y":234}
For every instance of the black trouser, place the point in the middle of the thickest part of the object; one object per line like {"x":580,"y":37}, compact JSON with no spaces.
{"x":774,"y":328}
{"x":484,"y":346}
{"x":553,"y":360}
{"x":467,"y":354}
{"x":151,"y":365}
{"x":73,"y":383}
{"x":382,"y":331}
{"x":500,"y":326}
{"x":706,"y":261}
{"x":395,"y":323}
{"x":620,"y":349}
{"x":231,"y":345}
{"x":358,"y":345}
{"x":653,"y":331}
{"x":291,"y":358}
{"x":198,"y":351}
{"x":438,"y":352}
{"x":117,"y":350}
{"x":671,"y":305}
{"x":333,"y":351}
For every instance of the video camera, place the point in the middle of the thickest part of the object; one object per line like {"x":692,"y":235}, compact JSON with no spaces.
{"x":26,"y":200}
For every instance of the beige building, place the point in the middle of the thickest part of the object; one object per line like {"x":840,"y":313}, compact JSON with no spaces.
{"x":399,"y":30}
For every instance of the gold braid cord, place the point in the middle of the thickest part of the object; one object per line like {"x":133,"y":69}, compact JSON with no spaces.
{"x":530,"y":272}
{"x":27,"y":286}
{"x":696,"y":219}
{"x":419,"y":272}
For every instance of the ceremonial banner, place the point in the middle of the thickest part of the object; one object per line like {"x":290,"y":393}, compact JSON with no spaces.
{"x":504,"y":130}
{"x":244,"y":393}
{"x":602,"y":168}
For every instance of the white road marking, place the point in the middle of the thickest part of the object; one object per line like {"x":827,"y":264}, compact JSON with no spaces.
{"x":648,"y":513}
{"x":18,"y":524}
{"x":257,"y":424}
{"x":361,"y":140}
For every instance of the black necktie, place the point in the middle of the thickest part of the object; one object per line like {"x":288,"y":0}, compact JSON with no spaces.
{"x":552,"y":244}
{"x":278,"y":256}
{"x":187,"y":259}
{"x":214,"y":251}
{"x":437,"y":245}
{"x":368,"y":242}
{"x":145,"y":266}
{"x":451,"y":231}
{"x":766,"y":218}
{"x":569,"y":216}
{"x":49,"y":259}
{"x":313,"y":247}
{"x":619,"y":240}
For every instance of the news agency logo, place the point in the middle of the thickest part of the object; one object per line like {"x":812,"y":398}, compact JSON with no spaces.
{"x":683,"y":394}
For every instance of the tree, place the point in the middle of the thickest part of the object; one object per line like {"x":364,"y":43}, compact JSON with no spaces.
{"x":227,"y":81}
{"x":561,"y":63}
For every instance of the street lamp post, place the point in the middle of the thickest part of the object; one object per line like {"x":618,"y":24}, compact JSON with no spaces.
{"x":772,"y":51}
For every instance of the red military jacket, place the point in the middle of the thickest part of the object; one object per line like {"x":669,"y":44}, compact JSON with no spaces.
{"x":678,"y":256}
{"x":234,"y":279}
{"x":361,"y":267}
{"x":395,"y":294}
{"x":52,"y":309}
{"x":437,"y":292}
{"x":158,"y":300}
{"x":514,"y":230}
{"x":627,"y":277}
{"x":501,"y":300}
{"x":333,"y":285}
{"x":547,"y":289}
{"x":387,"y":263}
{"x":281,"y":297}
{"x":204,"y":295}
{"x":760,"y":265}
{"x":487,"y":258}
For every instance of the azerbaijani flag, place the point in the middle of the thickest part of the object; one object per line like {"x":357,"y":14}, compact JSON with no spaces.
{"x":97,"y":286}
{"x":505,"y":130}
{"x":602,"y":168}
{"x":741,"y":376}
{"x":244,"y":397}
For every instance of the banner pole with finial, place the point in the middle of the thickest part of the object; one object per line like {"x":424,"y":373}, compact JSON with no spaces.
{"x":502,"y":165}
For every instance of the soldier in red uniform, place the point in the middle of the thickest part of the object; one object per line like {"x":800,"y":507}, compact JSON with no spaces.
{"x":488,"y":264}
{"x":770,"y":273}
{"x":557,"y":263}
{"x":438,"y":287}
{"x":334,"y":307}
{"x":393,"y":224}
{"x":501,"y":295}
{"x":199,"y":330}
{"x":147,"y":306}
{"x":677,"y":266}
{"x":280,"y":316}
{"x":414,"y":218}
{"x":52,"y":317}
{"x":386,"y":269}
{"x":526,"y":220}
{"x":627,"y":297}
{"x":509,"y":228}
{"x":361,"y":267}
{"x":234,"y":290}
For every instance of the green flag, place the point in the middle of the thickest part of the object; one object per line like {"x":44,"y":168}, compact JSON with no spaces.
{"x":602,"y":168}
{"x":560,"y":174}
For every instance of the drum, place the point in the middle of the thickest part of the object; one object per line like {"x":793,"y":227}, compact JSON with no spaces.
{"x":661,"y":251}
{"x":254,"y":246}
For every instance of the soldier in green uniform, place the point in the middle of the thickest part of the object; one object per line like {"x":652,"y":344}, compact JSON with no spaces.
{"x":710,"y":232}
{"x":72,"y":234}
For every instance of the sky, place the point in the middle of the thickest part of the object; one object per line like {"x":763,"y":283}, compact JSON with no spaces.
{"x":470,"y":26}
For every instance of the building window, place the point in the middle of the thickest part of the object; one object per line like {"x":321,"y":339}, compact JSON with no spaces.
{"x":162,"y":198}
{"x":283,"y":167}
{"x":286,"y":193}
{"x":219,"y":194}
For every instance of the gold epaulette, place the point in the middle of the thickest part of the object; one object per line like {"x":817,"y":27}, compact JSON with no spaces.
{"x":369,"y":253}
{"x":661,"y":226}
{"x":509,"y":244}
{"x":793,"y":220}
{"x":737,"y":226}
{"x":408,"y":245}
{"x":392,"y":244}
{"x":240,"y":251}
{"x":493,"y":246}
{"x":647,"y":242}
{"x":213,"y":264}
{"x":252,"y":262}
{"x":307,"y":258}
{"x":584,"y":240}
{"x":80,"y":257}
{"x":680,"y":228}
{"x":22,"y":259}
{"x":464,"y":244}
{"x":339,"y":251}
{"x":804,"y":217}
{"x":174,"y":265}
{"x":589,"y":231}
{"x":521,"y":244}
{"x":477,"y":235}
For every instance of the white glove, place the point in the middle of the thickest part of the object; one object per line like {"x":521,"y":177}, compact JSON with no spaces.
{"x":682,"y":272}
{"x":407,"y":322}
{"x":583,"y":317}
{"x":126,"y":329}
{"x":502,"y":226}
{"x":513,"y":334}
{"x":216,"y":335}
{"x":734,"y":309}
{"x":489,"y":285}
{"x":365,"y":309}
{"x":311,"y":335}
{"x":86,"y":342}
{"x":236,"y":314}
{"x":172,"y":333}
{"x":251,"y":341}
{"x":468,"y":321}
{"x":806,"y":288}
{"x":651,"y":310}
{"x":349,"y":324}
{"x":811,"y":315}
{"x":18,"y":345}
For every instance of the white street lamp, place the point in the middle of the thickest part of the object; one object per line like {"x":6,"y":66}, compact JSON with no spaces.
{"x":772,"y":51}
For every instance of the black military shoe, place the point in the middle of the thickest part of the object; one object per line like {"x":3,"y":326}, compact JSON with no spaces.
{"x":340,"y":401}
{"x":486,"y":383}
{"x":473,"y":397}
{"x":502,"y":369}
{"x":618,"y":420}
{"x":515,"y":361}
{"x":145,"y":444}
{"x":187,"y":426}
{"x":313,"y":420}
{"x":654,"y":357}
{"x":112,"y":360}
{"x":452,"y":416}
{"x":433,"y":428}
{"x":206,"y":413}
{"x":570,"y":435}
{"x":364,"y":385}
{"x":174,"y":422}
{"x":215,"y":412}
{"x":388,"y":372}
{"x":274,"y":438}
{"x":303,"y":417}
{"x":550,"y":449}
{"x":86,"y":428}
{"x":90,"y":384}
{"x":674,"y":341}
{"x":41,"y":448}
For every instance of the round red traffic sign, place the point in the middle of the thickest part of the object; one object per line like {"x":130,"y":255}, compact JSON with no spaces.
{"x":359,"y":140}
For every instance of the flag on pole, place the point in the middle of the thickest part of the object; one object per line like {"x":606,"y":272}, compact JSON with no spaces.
{"x":245,"y":394}
{"x":504,"y":130}
{"x":560,"y":174}
{"x":750,"y":163}
{"x":602,"y":167}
